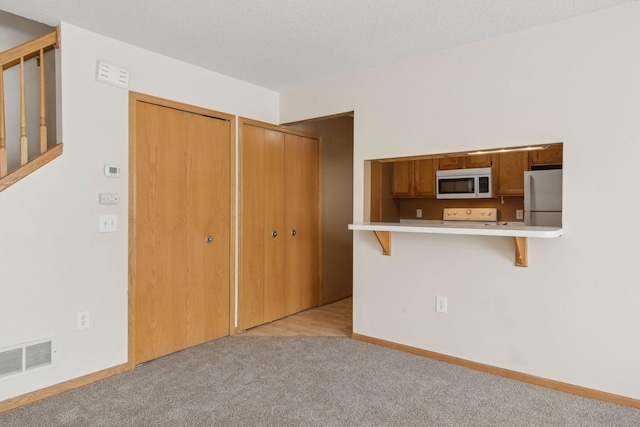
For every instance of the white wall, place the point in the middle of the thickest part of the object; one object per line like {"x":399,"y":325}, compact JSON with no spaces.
{"x":53,"y":260}
{"x":572,"y":315}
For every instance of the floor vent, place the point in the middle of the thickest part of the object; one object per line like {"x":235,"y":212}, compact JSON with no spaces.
{"x":21,"y":358}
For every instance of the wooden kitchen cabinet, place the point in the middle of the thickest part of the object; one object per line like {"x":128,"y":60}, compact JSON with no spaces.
{"x":550,"y":156}
{"x":451,"y":162}
{"x":478,"y":161}
{"x":424,"y":178}
{"x":464,"y":162}
{"x":508,"y":173}
{"x":278,"y":223}
{"x":414,"y":178}
{"x":402,"y":179}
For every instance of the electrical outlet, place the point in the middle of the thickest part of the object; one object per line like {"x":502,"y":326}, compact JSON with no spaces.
{"x":83,"y":319}
{"x":418,"y":213}
{"x":519,"y":214}
{"x":441,"y":304}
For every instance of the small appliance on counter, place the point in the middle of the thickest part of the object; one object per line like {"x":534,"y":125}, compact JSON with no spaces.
{"x":543,"y":198}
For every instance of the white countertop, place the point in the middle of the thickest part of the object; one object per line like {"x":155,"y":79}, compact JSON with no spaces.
{"x":513,"y":229}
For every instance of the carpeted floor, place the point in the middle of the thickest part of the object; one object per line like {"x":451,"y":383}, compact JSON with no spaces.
{"x":311,"y":381}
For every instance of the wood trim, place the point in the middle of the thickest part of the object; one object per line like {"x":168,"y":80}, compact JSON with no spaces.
{"x":319,"y":241}
{"x":134,"y":97}
{"x":30,"y":49}
{"x":3,"y":132}
{"x":522,"y":251}
{"x":43,"y":113}
{"x":133,"y":124}
{"x":335,"y":298}
{"x":317,"y":119}
{"x":454,"y":154}
{"x":264,"y":125}
{"x":24,"y":146}
{"x":384,"y":238}
{"x":507,"y":373}
{"x":232,"y":225}
{"x":53,"y":390}
{"x":30,"y":167}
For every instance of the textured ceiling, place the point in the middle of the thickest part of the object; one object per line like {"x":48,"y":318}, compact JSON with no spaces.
{"x":284,"y":44}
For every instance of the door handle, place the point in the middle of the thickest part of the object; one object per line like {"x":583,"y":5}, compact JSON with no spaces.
{"x":209,"y":240}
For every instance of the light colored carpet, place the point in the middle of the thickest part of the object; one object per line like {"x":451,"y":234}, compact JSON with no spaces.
{"x":311,"y":381}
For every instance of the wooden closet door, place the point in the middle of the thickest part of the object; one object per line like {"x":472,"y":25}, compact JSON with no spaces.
{"x":261,"y":284}
{"x":274,"y":224}
{"x":252,"y":228}
{"x":181,"y":196}
{"x":301,"y":220}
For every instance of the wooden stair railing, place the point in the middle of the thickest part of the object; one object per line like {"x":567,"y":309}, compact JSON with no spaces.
{"x":8,"y":59}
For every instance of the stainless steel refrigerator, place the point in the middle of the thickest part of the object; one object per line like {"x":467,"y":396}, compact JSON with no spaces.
{"x":543,"y":198}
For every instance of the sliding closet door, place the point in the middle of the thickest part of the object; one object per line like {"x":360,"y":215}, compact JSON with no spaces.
{"x":279,"y":204}
{"x":301,"y":218}
{"x":180,"y":233}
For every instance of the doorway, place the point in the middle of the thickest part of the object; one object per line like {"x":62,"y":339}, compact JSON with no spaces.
{"x":337,"y":202}
{"x":181,"y":219}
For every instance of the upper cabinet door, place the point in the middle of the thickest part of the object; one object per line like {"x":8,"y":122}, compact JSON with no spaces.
{"x":508,"y":173}
{"x":402,"y":179}
{"x":451,"y":162}
{"x":550,"y":156}
{"x":479,"y":161}
{"x":424,"y":178}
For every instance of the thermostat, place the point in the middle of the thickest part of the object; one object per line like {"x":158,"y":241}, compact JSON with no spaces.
{"x":112,"y":170}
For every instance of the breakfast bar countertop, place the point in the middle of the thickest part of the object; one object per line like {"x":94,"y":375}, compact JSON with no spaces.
{"x":501,"y":228}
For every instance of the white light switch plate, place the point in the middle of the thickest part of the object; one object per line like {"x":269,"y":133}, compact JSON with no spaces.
{"x":108,"y":223}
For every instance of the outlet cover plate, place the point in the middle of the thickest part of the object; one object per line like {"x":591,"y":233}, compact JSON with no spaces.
{"x":441,"y":304}
{"x":83,"y":320}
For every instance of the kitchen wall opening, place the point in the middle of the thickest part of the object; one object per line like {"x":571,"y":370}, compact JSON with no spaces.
{"x":420,"y":188}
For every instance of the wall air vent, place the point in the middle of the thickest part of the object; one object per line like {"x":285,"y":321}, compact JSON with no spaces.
{"x":21,"y":358}
{"x":112,"y":75}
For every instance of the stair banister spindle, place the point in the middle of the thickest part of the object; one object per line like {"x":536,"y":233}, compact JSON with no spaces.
{"x":24,"y":147}
{"x":3,"y":132}
{"x":43,"y":114}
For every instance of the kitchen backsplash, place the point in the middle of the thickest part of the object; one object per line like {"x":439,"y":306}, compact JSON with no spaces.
{"x":432,"y":208}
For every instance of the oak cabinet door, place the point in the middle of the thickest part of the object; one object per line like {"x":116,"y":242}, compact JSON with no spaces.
{"x":550,"y":156}
{"x":451,"y":162}
{"x":508,"y":173}
{"x":424,"y":178}
{"x":402,"y":179}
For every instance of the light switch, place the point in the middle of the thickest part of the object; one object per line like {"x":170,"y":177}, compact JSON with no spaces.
{"x":108,"y":223}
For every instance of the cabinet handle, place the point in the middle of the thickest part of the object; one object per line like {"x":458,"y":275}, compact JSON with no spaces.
{"x":293,"y":232}
{"x":209,"y":240}
{"x":274,"y":233}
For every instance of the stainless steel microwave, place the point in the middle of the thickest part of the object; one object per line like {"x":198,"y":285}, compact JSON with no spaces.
{"x":473,"y":183}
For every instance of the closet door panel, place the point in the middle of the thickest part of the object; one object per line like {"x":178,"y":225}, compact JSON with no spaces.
{"x":301,"y":219}
{"x":274,"y":232}
{"x":252,"y":228}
